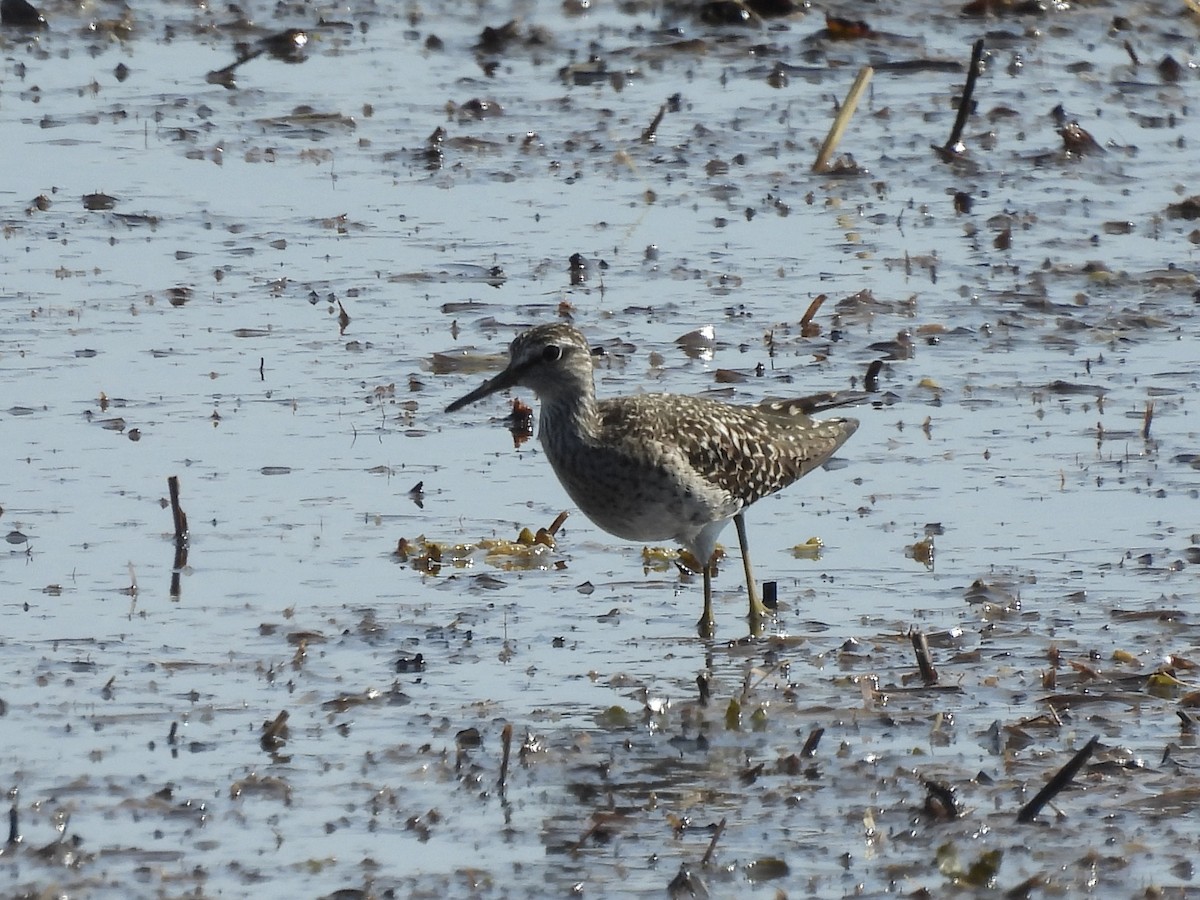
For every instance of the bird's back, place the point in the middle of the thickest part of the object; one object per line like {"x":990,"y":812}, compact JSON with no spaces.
{"x":748,"y":452}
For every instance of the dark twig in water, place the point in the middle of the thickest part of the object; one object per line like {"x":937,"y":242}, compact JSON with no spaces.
{"x":181,"y":525}
{"x":1147,"y":419}
{"x":14,"y":832}
{"x":650,"y":135}
{"x":920,"y":644}
{"x":770,"y":594}
{"x":224,"y":76}
{"x":871,"y":381}
{"x":1060,"y":780}
{"x":599,"y":820}
{"x":954,"y":146}
{"x":809,"y":750}
{"x":506,"y":750}
{"x":181,"y":537}
{"x":712,"y":845}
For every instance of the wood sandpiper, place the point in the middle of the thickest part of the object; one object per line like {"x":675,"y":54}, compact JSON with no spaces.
{"x":654,"y":467}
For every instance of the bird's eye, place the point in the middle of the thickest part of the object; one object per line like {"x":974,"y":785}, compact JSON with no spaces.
{"x":552,"y":353}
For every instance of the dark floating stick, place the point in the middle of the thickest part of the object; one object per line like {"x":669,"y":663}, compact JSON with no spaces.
{"x":506,"y":750}
{"x":181,"y":526}
{"x":712,"y":845}
{"x":703,"y":686}
{"x":1060,"y":780}
{"x":650,"y":134}
{"x":181,"y":537}
{"x":920,"y":644}
{"x":809,"y":750}
{"x":871,"y":379}
{"x":952,"y":147}
{"x":770,"y":594}
{"x":14,"y":831}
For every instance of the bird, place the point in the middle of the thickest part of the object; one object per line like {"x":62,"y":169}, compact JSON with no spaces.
{"x":654,"y":467}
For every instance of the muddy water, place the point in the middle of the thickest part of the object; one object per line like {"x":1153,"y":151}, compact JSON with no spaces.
{"x":191,"y":327}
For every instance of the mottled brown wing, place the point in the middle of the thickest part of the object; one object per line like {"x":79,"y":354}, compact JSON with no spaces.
{"x":747,"y":451}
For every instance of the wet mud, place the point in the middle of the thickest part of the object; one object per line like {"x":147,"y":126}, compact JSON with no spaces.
{"x":259,"y":249}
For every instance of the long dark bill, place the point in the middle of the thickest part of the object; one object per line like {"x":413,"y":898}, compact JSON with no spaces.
{"x":505,"y":379}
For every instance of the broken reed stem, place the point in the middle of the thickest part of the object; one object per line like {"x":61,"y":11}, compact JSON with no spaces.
{"x":506,"y":750}
{"x":811,"y":312}
{"x":871,"y":379}
{"x":968,"y":94}
{"x":650,"y":135}
{"x":1147,"y":419}
{"x":1059,"y":781}
{"x":181,"y":525}
{"x":809,"y":750}
{"x":842,"y":119}
{"x":712,"y":845}
{"x":920,"y":644}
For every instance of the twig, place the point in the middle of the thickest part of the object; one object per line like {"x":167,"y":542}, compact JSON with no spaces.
{"x":809,"y":750}
{"x":951,"y":148}
{"x":506,"y":745}
{"x":871,"y":379}
{"x":650,"y":135}
{"x":181,"y":538}
{"x":181,"y":526}
{"x":1059,"y":781}
{"x":920,"y":644}
{"x":842,"y":119}
{"x":806,"y":319}
{"x":712,"y":845}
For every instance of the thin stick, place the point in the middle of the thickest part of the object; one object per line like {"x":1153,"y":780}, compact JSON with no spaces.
{"x":871,"y":379}
{"x":181,"y":526}
{"x":812,"y":311}
{"x":506,"y":744}
{"x":1147,"y":419}
{"x":650,"y":135}
{"x":964,"y":105}
{"x":1059,"y":781}
{"x":920,"y":644}
{"x":810,"y":745}
{"x":842,"y":119}
{"x":712,"y":845}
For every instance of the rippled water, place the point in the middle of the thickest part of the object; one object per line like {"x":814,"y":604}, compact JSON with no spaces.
{"x":192,"y":329}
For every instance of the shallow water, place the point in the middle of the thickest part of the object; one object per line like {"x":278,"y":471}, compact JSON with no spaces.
{"x":192,"y":330}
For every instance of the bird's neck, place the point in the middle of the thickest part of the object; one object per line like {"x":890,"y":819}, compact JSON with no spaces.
{"x":568,"y":419}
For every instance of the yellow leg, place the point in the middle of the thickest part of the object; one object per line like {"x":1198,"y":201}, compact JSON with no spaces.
{"x":707,"y":626}
{"x":758,"y":612}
